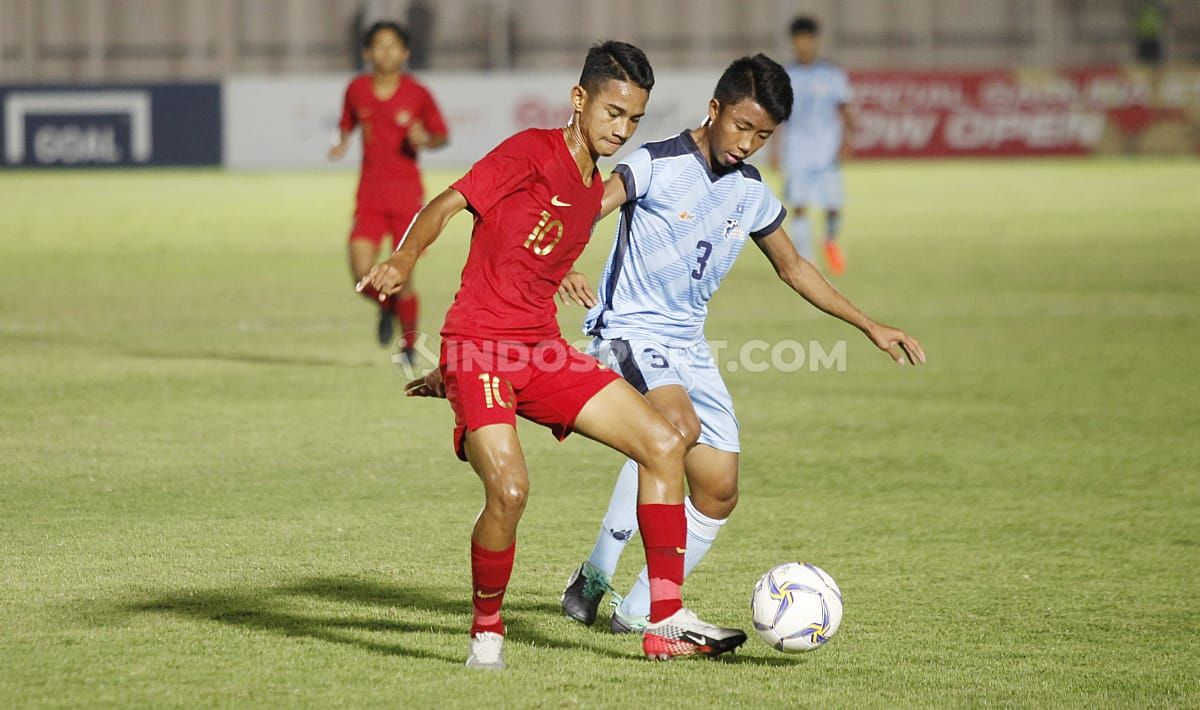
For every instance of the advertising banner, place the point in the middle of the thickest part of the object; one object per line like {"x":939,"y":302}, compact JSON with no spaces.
{"x":50,"y":126}
{"x":290,"y":121}
{"x":1027,"y":112}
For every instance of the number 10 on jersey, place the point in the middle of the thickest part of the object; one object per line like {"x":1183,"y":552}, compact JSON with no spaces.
{"x":537,"y":238}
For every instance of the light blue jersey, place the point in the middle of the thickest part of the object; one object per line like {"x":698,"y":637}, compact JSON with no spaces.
{"x":681,"y":228}
{"x":813,"y":134}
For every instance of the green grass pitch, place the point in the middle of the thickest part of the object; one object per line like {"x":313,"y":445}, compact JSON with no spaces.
{"x":212,"y":492}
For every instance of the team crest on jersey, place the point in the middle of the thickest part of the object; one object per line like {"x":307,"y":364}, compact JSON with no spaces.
{"x":403,"y":118}
{"x":733,"y":230}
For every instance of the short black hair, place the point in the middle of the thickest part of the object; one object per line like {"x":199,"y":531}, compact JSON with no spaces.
{"x":805,"y":25}
{"x":369,"y":35}
{"x":619,"y":61}
{"x":760,"y":79}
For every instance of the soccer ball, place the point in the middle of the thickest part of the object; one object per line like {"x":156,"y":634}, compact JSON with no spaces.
{"x":797,"y":607}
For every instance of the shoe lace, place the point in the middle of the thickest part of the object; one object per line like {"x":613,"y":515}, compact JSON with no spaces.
{"x":595,"y":585}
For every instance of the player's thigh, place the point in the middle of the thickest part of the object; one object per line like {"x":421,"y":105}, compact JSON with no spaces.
{"x":650,"y":368}
{"x":712,"y":403}
{"x":621,"y":418}
{"x":798,"y":190}
{"x":712,"y":477}
{"x":479,"y":387}
{"x":363,"y":253}
{"x":494,"y":452}
{"x":370,"y":225}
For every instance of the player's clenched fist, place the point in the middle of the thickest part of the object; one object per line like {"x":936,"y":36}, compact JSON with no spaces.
{"x":386,"y":278}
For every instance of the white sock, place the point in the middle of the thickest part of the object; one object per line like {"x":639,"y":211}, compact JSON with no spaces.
{"x":620,"y":521}
{"x":701,"y":532}
{"x":801,"y":233}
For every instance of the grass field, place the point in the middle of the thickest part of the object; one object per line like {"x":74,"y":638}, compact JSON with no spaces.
{"x":213,"y":493}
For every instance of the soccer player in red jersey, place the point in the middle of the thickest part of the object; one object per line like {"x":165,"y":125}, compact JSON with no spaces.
{"x":398,"y":117}
{"x":535,"y":199}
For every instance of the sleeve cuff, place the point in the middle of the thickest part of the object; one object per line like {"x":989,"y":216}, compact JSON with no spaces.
{"x":627,"y":179}
{"x":775,"y":224}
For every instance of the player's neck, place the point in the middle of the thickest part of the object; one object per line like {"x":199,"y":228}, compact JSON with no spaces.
{"x":386,"y":79}
{"x":584,"y":158}
{"x":700,"y":137}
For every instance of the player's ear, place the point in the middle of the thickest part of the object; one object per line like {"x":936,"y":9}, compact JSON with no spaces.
{"x":714,"y":108}
{"x":578,"y":97}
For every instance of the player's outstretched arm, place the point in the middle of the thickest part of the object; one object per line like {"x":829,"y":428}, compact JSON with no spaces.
{"x":390,"y":276}
{"x":806,"y":280}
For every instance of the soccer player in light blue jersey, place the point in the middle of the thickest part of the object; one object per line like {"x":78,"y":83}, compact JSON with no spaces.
{"x":815,"y":142}
{"x":689,"y":204}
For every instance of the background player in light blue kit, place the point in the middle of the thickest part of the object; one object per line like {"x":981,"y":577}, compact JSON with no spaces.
{"x":815,"y":141}
{"x":689,"y":204}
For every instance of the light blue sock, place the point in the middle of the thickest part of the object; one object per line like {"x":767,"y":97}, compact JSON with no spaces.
{"x":801,"y":233}
{"x":701,"y":532}
{"x":620,"y":521}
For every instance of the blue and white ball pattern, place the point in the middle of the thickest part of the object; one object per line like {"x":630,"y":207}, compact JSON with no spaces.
{"x":797,"y":607}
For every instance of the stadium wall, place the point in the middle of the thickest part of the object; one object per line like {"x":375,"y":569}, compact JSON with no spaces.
{"x":282,"y":122}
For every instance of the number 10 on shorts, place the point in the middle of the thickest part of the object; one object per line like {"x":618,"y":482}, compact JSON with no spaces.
{"x":491,"y":391}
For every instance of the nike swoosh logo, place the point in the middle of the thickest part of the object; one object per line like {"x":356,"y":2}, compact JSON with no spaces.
{"x":559,"y":203}
{"x":695,"y":638}
{"x":492,"y":595}
{"x":681,"y":550}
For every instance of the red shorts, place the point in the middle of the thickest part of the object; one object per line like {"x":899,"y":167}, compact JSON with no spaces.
{"x":371,"y":223}
{"x":490,"y":382}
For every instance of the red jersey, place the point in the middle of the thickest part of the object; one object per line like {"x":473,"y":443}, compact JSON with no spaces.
{"x":533,"y":217}
{"x":389,"y":165}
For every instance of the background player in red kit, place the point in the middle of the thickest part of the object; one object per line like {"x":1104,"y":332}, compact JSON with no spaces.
{"x":535,"y":199}
{"x":398,"y":117}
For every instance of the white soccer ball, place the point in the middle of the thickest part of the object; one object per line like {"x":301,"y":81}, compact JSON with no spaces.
{"x":797,"y":607}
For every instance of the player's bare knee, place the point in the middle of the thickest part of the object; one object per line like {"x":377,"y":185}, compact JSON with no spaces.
{"x":665,"y":447}
{"x":508,"y":494}
{"x":688,"y":427}
{"x":724,"y":505}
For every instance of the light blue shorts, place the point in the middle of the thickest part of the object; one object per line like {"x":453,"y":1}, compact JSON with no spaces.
{"x":820,"y":188}
{"x":647,"y":364}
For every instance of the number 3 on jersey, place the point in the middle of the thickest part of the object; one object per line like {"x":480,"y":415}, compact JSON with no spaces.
{"x":537,"y":238}
{"x":702,"y":259}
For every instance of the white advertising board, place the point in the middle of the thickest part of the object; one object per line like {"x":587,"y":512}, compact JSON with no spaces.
{"x":289,"y":122}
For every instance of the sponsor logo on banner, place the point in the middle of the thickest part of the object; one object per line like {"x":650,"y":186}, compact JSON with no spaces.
{"x":76,"y":127}
{"x":1036,"y":112}
{"x":103,"y":126}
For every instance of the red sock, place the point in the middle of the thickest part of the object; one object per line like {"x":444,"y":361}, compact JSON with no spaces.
{"x":406,"y":312}
{"x":490,"y":570}
{"x":664,"y":534}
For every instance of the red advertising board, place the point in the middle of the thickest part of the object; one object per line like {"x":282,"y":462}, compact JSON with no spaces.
{"x":1026,"y":112}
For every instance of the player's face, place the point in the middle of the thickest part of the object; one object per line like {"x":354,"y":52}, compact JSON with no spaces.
{"x":609,"y":116}
{"x":737,"y":131}
{"x":805,"y":47}
{"x":387,"y":53}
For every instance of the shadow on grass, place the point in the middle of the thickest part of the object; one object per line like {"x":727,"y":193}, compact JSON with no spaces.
{"x":266,"y":610}
{"x":245,"y":358}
